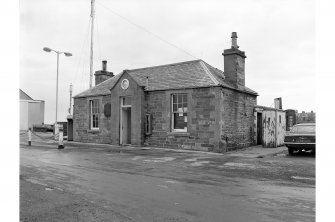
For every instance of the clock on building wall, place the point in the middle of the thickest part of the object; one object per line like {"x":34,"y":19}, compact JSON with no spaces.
{"x":124,"y":84}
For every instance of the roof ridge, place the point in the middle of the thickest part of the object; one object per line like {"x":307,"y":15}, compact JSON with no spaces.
{"x":171,"y":64}
{"x":214,"y":67}
{"x":211,"y":76}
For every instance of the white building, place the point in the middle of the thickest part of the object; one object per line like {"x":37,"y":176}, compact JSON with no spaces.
{"x":31,"y":111}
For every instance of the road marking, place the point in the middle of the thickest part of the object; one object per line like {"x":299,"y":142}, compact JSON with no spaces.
{"x":48,"y":189}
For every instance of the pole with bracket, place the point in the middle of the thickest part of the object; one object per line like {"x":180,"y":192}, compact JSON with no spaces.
{"x":29,"y":137}
{"x":60,"y":140}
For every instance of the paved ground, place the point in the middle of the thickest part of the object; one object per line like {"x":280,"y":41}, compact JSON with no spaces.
{"x":99,"y":183}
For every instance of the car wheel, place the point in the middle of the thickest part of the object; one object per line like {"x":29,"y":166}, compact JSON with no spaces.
{"x":290,"y":151}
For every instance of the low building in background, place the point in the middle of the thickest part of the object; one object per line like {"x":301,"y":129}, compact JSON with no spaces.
{"x":293,"y":117}
{"x":306,"y":117}
{"x":31,"y":111}
{"x":270,"y":125}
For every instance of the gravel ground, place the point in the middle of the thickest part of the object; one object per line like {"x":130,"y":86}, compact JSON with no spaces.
{"x":115,"y":184}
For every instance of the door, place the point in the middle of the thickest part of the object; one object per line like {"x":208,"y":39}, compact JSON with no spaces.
{"x":125,"y":136}
{"x":259,"y":129}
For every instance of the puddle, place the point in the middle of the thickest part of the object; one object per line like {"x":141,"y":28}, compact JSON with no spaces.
{"x":36,"y":182}
{"x":281,"y":154}
{"x":199,"y":163}
{"x":191,"y":160}
{"x":52,"y":162}
{"x":302,"y":178}
{"x":137,"y":157}
{"x":171,"y":181}
{"x":160,"y":160}
{"x":239,"y":165}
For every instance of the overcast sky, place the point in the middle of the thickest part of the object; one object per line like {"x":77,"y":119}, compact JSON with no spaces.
{"x":277,"y":36}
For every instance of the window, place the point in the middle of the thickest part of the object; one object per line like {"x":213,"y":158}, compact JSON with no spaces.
{"x":94,"y":114}
{"x":179,"y":112}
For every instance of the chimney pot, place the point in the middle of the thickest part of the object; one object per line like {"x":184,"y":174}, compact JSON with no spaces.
{"x":234,"y":34}
{"x":104,"y":65}
{"x":103,"y":74}
{"x":234,"y":40}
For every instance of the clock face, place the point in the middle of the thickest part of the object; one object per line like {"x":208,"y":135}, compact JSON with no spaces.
{"x":125,"y":84}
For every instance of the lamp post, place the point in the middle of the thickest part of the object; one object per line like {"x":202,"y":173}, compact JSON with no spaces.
{"x":66,"y":54}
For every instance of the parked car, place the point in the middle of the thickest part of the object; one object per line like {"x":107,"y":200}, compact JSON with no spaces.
{"x":301,"y":137}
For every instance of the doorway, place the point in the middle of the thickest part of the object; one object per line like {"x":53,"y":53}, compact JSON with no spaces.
{"x":125,"y":121}
{"x":259,"y":129}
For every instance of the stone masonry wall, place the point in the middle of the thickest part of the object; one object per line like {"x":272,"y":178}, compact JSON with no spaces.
{"x":202,"y":122}
{"x":237,"y":119}
{"x":81,"y":131}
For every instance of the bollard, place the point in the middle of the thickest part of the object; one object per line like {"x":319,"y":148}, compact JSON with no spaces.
{"x":29,"y":137}
{"x":60,"y":140}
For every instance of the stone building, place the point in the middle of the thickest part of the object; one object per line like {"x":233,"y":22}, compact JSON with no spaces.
{"x":187,"y":105}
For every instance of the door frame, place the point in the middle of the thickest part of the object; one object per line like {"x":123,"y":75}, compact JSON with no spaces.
{"x":122,"y":108}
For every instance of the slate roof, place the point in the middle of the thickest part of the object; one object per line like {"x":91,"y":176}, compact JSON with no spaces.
{"x":190,"y":74}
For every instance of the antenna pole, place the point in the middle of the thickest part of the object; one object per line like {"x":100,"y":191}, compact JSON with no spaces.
{"x":91,"y":55}
{"x":70,"y":99}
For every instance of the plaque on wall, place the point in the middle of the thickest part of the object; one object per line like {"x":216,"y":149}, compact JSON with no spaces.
{"x":125,"y":84}
{"x":107,"y":110}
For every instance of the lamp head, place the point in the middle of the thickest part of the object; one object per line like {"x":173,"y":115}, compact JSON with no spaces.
{"x":67,"y":54}
{"x":47,"y":49}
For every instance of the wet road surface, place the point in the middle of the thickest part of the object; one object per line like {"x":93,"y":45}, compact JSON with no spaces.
{"x":100,"y":184}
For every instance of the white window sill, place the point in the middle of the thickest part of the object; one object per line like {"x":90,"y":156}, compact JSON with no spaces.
{"x":94,"y":130}
{"x":178,"y":133}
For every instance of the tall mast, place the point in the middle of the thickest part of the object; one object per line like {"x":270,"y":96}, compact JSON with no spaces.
{"x":70,"y":99}
{"x":91,"y":55}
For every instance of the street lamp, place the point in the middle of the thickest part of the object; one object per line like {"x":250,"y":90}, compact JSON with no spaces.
{"x":66,"y":54}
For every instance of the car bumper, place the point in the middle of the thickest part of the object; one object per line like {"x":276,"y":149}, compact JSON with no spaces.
{"x":300,"y":145}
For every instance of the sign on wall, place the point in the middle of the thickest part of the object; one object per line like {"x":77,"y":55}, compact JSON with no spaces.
{"x":107,"y":110}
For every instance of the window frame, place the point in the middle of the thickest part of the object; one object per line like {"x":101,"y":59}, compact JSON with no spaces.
{"x":97,"y":113}
{"x":185,"y":130}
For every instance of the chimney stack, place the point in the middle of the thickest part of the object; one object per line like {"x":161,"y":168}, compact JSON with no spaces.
{"x":102,"y":75}
{"x":278,"y":103}
{"x":234,"y":64}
